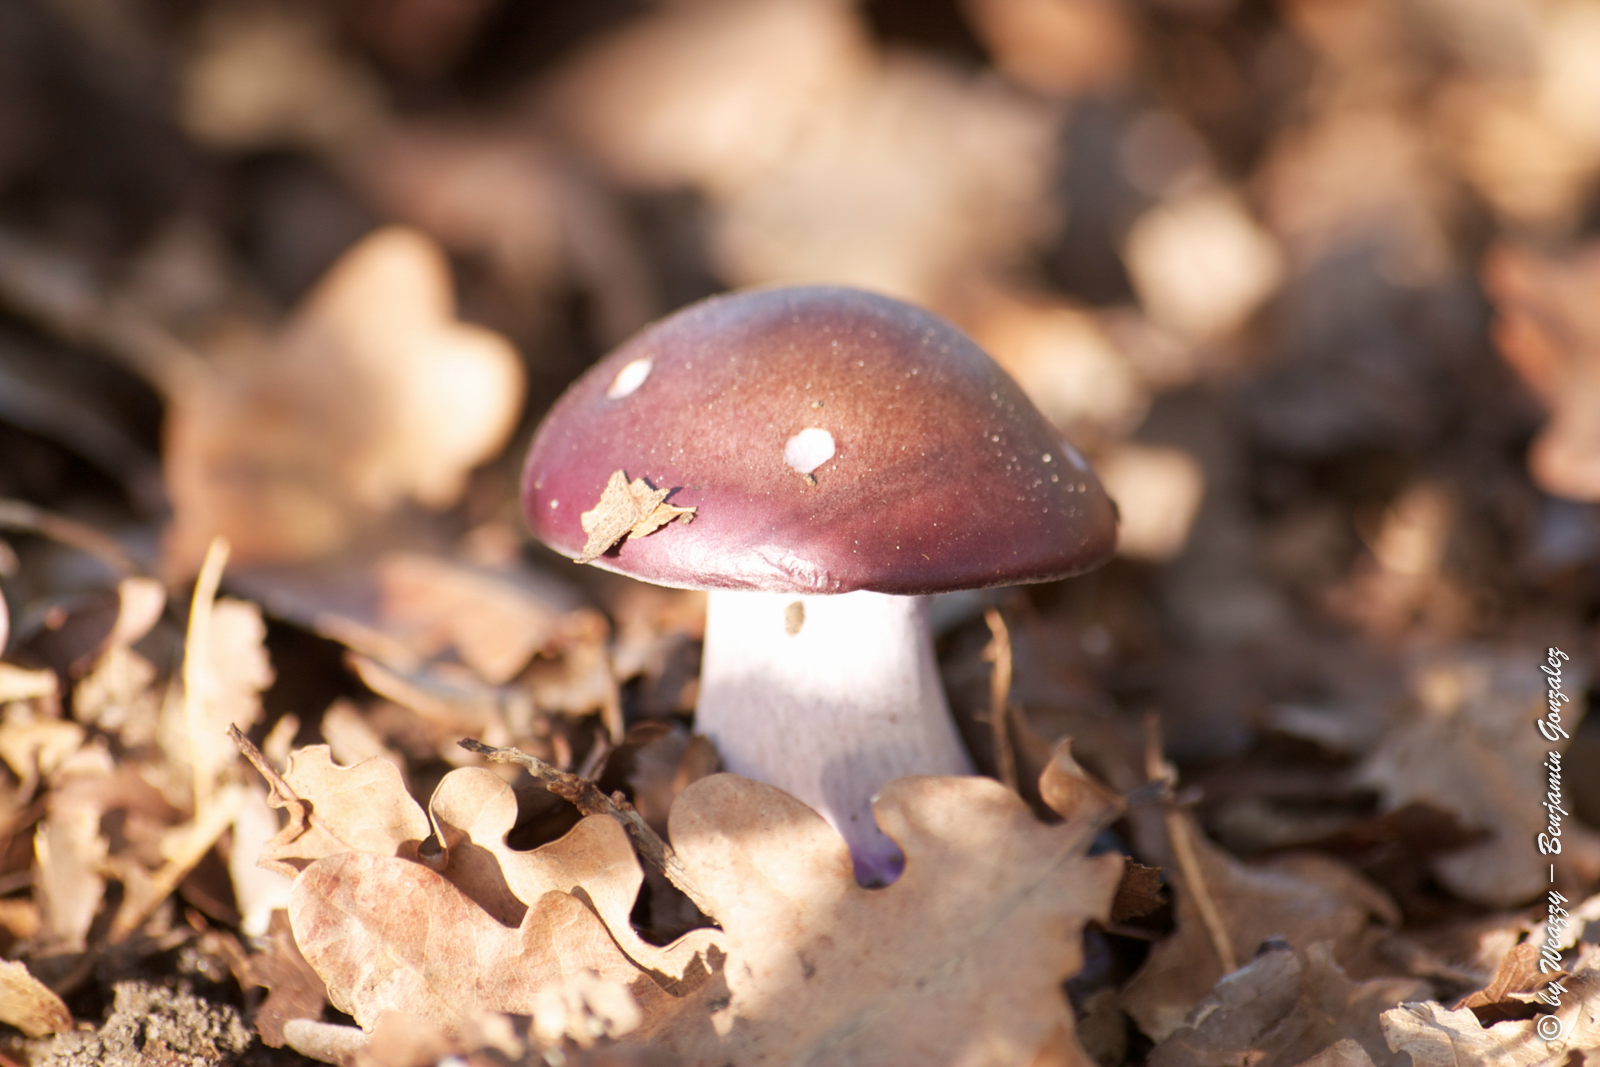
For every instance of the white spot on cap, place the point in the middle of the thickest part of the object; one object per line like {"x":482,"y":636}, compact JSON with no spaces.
{"x":628,"y":379}
{"x":808,"y":449}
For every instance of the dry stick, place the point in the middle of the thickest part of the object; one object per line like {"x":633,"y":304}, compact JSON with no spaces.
{"x":1178,"y":835}
{"x":195,"y":676}
{"x":283,"y":795}
{"x":17,"y":515}
{"x":999,"y":653}
{"x":587,"y":798}
{"x":210,"y":818}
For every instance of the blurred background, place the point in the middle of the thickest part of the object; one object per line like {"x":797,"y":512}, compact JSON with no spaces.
{"x":1314,"y":283}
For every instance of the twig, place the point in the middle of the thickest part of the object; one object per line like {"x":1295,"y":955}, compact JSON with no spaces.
{"x":587,"y":798}
{"x":999,"y":653}
{"x":1180,"y":837}
{"x":195,"y":674}
{"x":263,"y":766}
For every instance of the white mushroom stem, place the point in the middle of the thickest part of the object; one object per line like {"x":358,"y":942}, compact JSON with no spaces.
{"x":828,"y":698}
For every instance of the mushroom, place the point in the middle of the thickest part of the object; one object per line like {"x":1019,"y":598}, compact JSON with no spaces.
{"x":845,"y":454}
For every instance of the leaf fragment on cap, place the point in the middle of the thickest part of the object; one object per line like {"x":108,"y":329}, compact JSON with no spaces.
{"x":626,"y":509}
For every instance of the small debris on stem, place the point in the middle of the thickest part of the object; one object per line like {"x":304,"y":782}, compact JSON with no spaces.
{"x":627,"y":509}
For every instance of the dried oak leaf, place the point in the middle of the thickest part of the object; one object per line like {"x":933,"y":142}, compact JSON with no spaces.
{"x":473,"y":810}
{"x":1138,"y":894}
{"x":371,"y":394}
{"x":119,"y":694}
{"x":959,"y":962}
{"x":1473,"y":752}
{"x":365,"y":808}
{"x":1282,"y":1008}
{"x":1301,"y":899}
{"x":626,"y":509}
{"x":388,"y":934}
{"x":1548,"y":329}
{"x":1435,"y":1036}
{"x":406,"y":608}
{"x":1518,"y":973}
{"x":335,"y":809}
{"x":856,"y":971}
{"x":71,"y":851}
{"x":1345,"y":1052}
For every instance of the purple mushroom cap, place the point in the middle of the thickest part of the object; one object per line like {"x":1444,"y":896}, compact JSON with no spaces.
{"x":939,"y":474}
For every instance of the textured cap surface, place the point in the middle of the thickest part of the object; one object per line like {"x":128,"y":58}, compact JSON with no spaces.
{"x":932,"y":470}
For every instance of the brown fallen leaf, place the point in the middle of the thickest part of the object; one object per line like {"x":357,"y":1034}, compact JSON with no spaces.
{"x":1345,"y":1052}
{"x":1282,"y":1008}
{"x":33,"y":746}
{"x":494,"y":621}
{"x":473,"y":810}
{"x":709,"y":95}
{"x":1301,"y":899}
{"x":477,"y":927}
{"x":495,"y":193}
{"x":1435,"y":1036}
{"x":1547,"y":329}
{"x":118,"y":694}
{"x":335,"y":809}
{"x":626,"y":509}
{"x":1053,"y":47}
{"x":582,"y":793}
{"x":28,"y":1004}
{"x":71,"y":852}
{"x":372,"y":393}
{"x":410,"y":608}
{"x":388,"y":934}
{"x":575,"y":675}
{"x":958,"y":962}
{"x":1518,"y":973}
{"x":583,"y":1008}
{"x":294,"y":990}
{"x":1472,"y":751}
{"x":366,"y":809}
{"x":17,"y":683}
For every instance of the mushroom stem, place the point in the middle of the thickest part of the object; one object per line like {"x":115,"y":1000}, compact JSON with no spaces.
{"x":828,"y":698}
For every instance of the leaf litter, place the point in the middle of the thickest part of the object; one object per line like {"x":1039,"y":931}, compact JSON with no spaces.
{"x":508,"y":929}
{"x":1374,"y":508}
